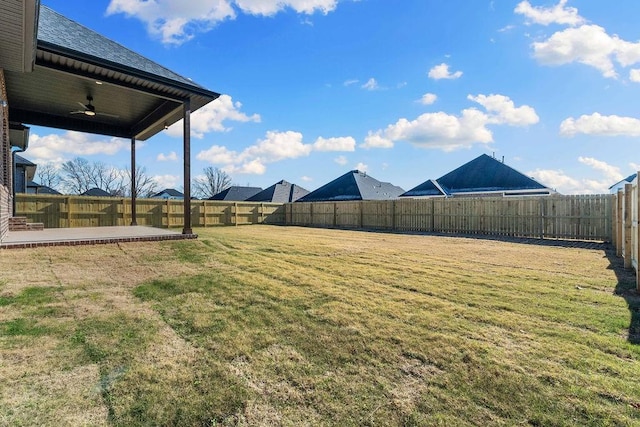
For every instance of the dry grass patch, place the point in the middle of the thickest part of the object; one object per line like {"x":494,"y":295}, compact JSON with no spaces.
{"x":292,"y":326}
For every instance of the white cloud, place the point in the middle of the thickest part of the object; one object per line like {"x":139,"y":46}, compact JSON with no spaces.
{"x":597,"y":124}
{"x":506,"y":111}
{"x":557,"y":180}
{"x":275,"y":147}
{"x":251,"y":167}
{"x":212,"y":116}
{"x":558,"y":14}
{"x":449,"y":132}
{"x":442,"y":72}
{"x":171,"y":157}
{"x":371,"y":84}
{"x":362,"y":167}
{"x":306,"y":178}
{"x":634,"y":166}
{"x":377,"y":140}
{"x":271,"y":7}
{"x":428,"y":98}
{"x":588,"y":44}
{"x":56,"y":147}
{"x":634,"y":75}
{"x":567,"y":185}
{"x":335,"y":144}
{"x":217,"y":154}
{"x":168,"y":181}
{"x":612,"y":173}
{"x":177,"y":22}
{"x":351,"y":82}
{"x":341,"y":160}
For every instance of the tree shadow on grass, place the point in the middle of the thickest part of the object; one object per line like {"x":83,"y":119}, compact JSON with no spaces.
{"x":626,"y":288}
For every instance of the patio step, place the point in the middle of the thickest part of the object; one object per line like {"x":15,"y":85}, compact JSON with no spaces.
{"x":19,"y":223}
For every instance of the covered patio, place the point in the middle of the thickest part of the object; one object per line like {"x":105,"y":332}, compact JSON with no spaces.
{"x":88,"y":236}
{"x":60,"y":74}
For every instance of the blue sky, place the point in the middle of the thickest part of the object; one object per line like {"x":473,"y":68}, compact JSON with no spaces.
{"x":406,"y":91}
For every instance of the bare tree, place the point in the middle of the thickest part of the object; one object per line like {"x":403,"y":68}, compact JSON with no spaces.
{"x":211,"y":183}
{"x":146,"y":186}
{"x":49,"y":175}
{"x":76,"y":175}
{"x":80,"y":175}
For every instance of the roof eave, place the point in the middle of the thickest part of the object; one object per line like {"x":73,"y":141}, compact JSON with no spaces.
{"x":119,"y":68}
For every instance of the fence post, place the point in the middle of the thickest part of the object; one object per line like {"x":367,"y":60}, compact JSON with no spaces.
{"x":619,"y":222}
{"x":433,"y":215}
{"x":628,"y":188}
{"x":335,"y":215}
{"x":542,"y":213}
{"x":637,"y":255}
{"x":69,"y":212}
{"x":235,"y":213}
{"x":614,"y":220}
{"x":393,"y":215}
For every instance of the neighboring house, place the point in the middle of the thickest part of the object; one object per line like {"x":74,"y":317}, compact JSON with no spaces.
{"x":353,"y":185}
{"x":482,"y":176}
{"x":168,"y":193}
{"x":280,"y":192}
{"x":96,"y":192}
{"x":236,"y":193}
{"x":620,"y":184}
{"x":23,"y":173}
{"x":35,"y":188}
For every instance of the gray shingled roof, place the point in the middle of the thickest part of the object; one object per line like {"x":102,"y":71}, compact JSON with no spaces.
{"x":484,"y":174}
{"x":19,"y":160}
{"x":58,"y":30}
{"x":280,"y":192}
{"x":96,"y":192}
{"x":236,"y":193}
{"x":169,"y":191}
{"x":353,"y":185}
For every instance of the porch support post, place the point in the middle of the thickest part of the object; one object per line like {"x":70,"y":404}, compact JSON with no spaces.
{"x":187,"y":167}
{"x":133,"y":181}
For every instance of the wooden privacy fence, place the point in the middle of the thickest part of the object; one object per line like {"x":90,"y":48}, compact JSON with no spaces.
{"x":82,"y":211}
{"x":626,"y":230}
{"x":555,"y":217}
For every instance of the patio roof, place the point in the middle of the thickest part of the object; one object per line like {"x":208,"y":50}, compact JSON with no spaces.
{"x":133,"y":96}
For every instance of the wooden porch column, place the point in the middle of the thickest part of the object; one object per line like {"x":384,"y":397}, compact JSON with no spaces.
{"x":133,"y":182}
{"x":187,"y":166}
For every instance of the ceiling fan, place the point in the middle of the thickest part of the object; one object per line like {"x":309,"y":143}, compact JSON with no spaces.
{"x":89,"y":109}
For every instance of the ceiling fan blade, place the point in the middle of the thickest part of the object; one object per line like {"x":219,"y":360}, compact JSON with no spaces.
{"x":82,"y":105}
{"x":115,"y":116}
{"x":77,"y":112}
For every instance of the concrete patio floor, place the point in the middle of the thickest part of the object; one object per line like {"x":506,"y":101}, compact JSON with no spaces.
{"x":89,"y":236}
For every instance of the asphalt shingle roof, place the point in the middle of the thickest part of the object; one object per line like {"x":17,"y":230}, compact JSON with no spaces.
{"x":280,"y":192}
{"x":482,"y":174}
{"x":236,"y":193}
{"x":96,"y":192}
{"x":353,"y":185}
{"x":57,"y":30}
{"x":169,"y":191}
{"x":42,"y":189}
{"x":19,"y":160}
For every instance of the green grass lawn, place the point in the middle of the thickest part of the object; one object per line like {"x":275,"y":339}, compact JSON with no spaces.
{"x":263,"y":325}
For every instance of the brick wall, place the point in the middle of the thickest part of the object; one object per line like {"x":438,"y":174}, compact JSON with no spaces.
{"x":5,"y":160}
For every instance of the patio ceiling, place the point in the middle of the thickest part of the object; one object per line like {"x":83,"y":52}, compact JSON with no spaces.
{"x":133,"y":97}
